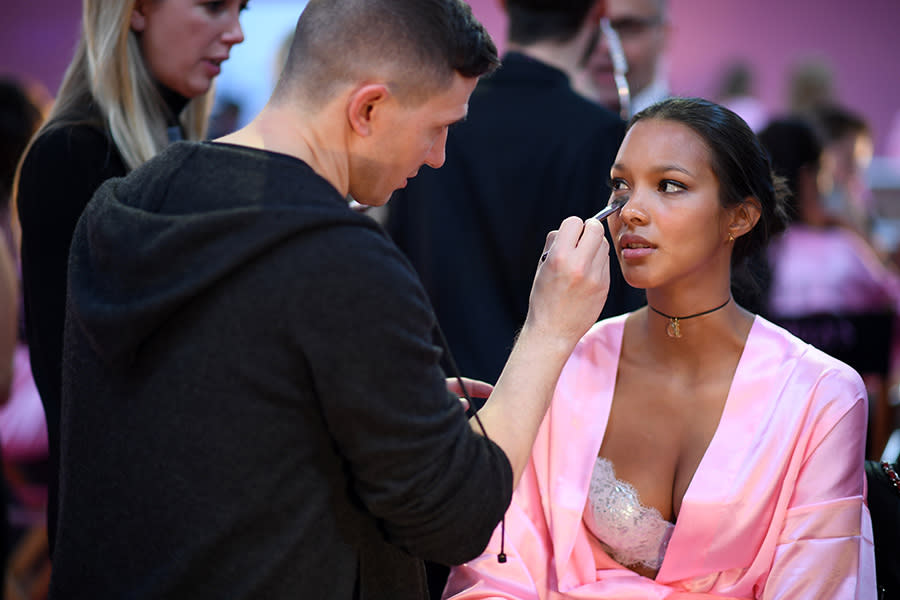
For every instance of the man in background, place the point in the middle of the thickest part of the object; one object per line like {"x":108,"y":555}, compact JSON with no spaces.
{"x":643,"y":29}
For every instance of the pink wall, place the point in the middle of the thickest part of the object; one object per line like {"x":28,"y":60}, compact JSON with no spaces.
{"x":37,"y":38}
{"x":858,"y":38}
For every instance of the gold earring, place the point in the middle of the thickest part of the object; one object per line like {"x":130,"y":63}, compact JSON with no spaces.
{"x":730,"y":237}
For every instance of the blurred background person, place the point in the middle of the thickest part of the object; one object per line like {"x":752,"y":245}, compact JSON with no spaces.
{"x":846,"y":155}
{"x":824,"y":270}
{"x":142,"y":75}
{"x":737,"y":92}
{"x":810,"y":84}
{"x":643,"y":28}
{"x":9,"y":532}
{"x":23,"y":429}
{"x":225,"y":118}
{"x":819,"y":264}
{"x":20,"y":117}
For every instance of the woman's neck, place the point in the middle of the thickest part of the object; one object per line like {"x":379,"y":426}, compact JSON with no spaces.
{"x":703,"y":341}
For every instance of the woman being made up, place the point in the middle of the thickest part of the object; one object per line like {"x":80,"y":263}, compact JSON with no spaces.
{"x":692,"y":449}
{"x":141,"y":76}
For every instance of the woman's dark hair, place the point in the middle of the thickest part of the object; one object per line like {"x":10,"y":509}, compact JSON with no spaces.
{"x":739,"y":162}
{"x":743,"y":170}
{"x":793,"y":145}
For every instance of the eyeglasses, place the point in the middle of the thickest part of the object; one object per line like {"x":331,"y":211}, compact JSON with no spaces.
{"x":614,"y":31}
{"x":630,"y":27}
{"x":620,"y":66}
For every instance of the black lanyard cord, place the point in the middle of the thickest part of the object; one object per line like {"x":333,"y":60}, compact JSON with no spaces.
{"x":454,"y":370}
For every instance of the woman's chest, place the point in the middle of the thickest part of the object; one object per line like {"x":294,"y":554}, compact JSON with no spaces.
{"x":659,"y":429}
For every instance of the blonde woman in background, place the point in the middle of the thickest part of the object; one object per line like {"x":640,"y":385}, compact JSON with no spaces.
{"x":142,"y":76}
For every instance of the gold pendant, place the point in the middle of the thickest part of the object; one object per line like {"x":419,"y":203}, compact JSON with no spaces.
{"x":673,"y":330}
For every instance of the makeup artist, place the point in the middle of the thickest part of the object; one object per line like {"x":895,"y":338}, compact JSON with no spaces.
{"x":692,"y":449}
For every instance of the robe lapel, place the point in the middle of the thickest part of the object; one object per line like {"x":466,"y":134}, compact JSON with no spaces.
{"x":575,"y":429}
{"x":736,"y":472}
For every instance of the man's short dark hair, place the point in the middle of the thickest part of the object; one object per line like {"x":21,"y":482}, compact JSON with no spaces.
{"x":532,"y":21}
{"x":416,"y":45}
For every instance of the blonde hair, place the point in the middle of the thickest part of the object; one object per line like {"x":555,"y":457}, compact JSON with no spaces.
{"x":109,"y":69}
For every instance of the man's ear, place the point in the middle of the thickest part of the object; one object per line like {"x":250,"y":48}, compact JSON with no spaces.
{"x":744,"y":216}
{"x":365,"y":105}
{"x":138,"y":18}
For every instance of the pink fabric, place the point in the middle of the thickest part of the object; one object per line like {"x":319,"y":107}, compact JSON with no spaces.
{"x":828,"y":270}
{"x":23,"y":427}
{"x":775,"y":509}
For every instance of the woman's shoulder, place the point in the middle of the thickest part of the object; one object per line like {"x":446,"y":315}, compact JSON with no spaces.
{"x":601,"y":344}
{"x":66,"y":161}
{"x":71,"y":139}
{"x":606,"y":330}
{"x":803,"y":359}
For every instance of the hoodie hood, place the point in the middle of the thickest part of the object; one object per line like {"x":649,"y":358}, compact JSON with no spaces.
{"x":150,"y":242}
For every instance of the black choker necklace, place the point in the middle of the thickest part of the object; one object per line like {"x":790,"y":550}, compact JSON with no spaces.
{"x":673,"y":329}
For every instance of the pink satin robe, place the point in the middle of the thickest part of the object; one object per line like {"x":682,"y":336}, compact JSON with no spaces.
{"x":775,"y":510}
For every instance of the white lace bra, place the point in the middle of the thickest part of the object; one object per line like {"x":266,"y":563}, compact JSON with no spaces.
{"x":631,"y":533}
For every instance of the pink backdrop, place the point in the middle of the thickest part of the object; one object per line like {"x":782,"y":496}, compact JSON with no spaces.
{"x":858,"y":38}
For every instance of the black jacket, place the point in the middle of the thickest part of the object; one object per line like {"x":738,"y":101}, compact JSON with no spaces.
{"x":252,"y":407}
{"x":61,"y":171}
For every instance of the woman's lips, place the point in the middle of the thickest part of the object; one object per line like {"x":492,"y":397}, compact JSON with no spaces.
{"x":633,"y":247}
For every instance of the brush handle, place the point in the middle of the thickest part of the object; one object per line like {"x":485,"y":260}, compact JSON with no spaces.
{"x":600,"y":216}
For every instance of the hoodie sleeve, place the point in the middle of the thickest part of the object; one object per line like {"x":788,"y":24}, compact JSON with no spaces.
{"x":438,"y":488}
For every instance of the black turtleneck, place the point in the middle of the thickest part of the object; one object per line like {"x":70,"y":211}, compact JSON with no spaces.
{"x":175,"y":103}
{"x":62,"y":170}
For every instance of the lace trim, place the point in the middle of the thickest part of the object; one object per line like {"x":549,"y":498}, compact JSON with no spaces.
{"x":632,"y":534}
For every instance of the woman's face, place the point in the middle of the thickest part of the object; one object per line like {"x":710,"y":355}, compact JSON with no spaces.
{"x":673,"y":227}
{"x":185,"y":42}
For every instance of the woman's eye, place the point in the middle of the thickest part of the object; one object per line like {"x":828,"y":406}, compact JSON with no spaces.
{"x":669,"y":187}
{"x":616,"y":185}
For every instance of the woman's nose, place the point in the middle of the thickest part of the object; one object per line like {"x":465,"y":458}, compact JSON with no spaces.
{"x":633,"y":210}
{"x":235,"y":33}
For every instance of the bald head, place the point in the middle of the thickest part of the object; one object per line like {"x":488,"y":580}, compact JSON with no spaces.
{"x":415,"y":46}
